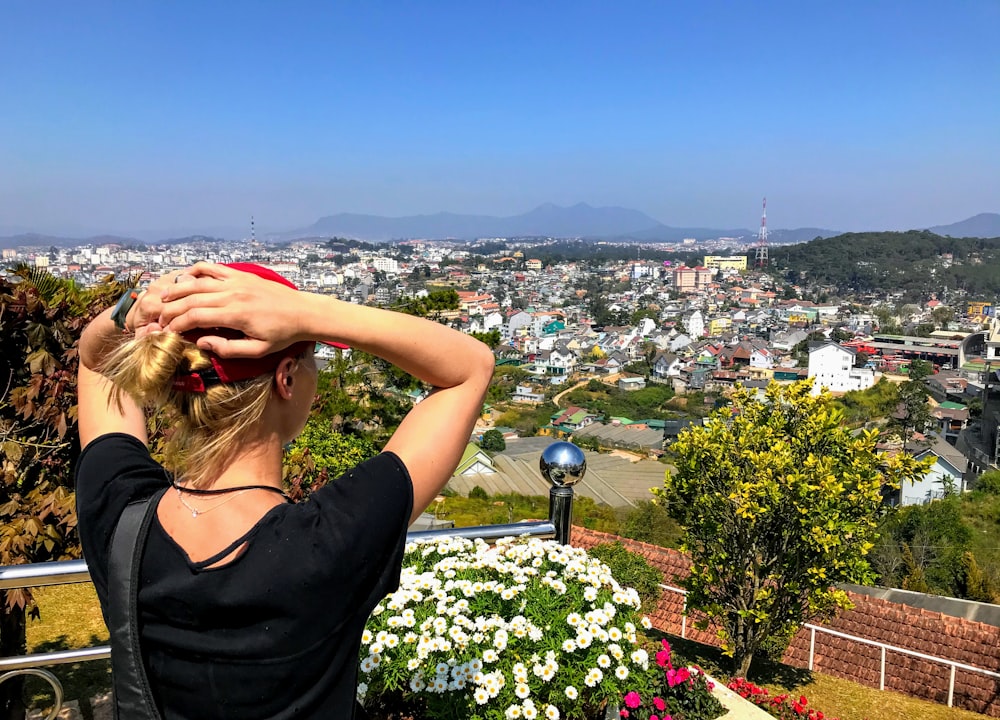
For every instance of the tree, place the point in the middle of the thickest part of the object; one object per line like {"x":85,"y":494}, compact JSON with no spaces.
{"x":493,"y":441}
{"x":942,"y":316}
{"x":778,"y":501}
{"x":319,"y":455}
{"x":41,"y":319}
{"x":912,"y":412}
{"x":491,"y":338}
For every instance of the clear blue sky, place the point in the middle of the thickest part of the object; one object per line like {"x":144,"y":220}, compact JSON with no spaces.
{"x":150,"y":116}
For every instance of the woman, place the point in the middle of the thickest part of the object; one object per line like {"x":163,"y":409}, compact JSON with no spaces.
{"x":250,"y":606}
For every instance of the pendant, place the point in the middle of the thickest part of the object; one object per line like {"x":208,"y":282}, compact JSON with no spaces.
{"x":194,"y":513}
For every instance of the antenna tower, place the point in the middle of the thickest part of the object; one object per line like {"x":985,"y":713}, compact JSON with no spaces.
{"x":253,"y":233}
{"x":760,"y":257}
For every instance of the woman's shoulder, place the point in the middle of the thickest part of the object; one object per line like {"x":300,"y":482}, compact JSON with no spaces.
{"x":374,"y":497}
{"x":119,"y":466}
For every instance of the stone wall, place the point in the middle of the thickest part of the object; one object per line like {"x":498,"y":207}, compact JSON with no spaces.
{"x":924,"y":631}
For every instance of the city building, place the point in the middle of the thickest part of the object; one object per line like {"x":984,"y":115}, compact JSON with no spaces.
{"x":832,"y":367}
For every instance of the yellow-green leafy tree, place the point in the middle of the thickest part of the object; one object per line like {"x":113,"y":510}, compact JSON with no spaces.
{"x":779,"y":501}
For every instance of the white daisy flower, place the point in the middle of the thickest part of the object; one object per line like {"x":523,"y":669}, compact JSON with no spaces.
{"x":530,"y":713}
{"x":513,"y":712}
{"x":551,"y":712}
{"x":362,"y":690}
{"x":571,"y":692}
{"x":593,"y":677}
{"x":482,"y":696}
{"x":603,"y":661}
{"x":522,"y":690}
{"x":621,"y":672}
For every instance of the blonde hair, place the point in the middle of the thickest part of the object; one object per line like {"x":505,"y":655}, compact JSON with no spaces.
{"x":205,"y":428}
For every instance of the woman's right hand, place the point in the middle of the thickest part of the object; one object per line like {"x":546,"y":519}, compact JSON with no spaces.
{"x":216,"y":296}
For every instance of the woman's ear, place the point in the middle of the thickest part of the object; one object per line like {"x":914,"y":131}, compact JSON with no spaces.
{"x":284,"y":377}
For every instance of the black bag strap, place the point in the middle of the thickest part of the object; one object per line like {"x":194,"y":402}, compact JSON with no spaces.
{"x":133,"y":697}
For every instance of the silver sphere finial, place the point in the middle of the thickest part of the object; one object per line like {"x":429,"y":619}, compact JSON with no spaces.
{"x":563,"y":464}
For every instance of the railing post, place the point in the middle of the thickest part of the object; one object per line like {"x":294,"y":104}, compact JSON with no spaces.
{"x":881,"y":672}
{"x":812,"y":646}
{"x":563,"y":464}
{"x":951,"y":686}
{"x":684,"y":618}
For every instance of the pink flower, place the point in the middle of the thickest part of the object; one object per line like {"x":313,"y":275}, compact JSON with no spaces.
{"x":653,"y":717}
{"x":676,"y":677}
{"x":659,"y":704}
{"x":633,"y":700}
{"x":623,"y":712}
{"x":662,"y":658}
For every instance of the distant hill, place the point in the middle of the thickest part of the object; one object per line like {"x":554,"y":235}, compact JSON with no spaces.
{"x":918,"y":262}
{"x":546,"y":220}
{"x":983,"y":225}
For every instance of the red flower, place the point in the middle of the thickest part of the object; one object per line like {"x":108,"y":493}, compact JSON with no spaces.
{"x":633,"y":700}
{"x":659,"y":704}
{"x":676,"y":677}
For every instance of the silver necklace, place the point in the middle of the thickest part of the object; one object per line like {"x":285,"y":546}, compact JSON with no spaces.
{"x":195,"y":512}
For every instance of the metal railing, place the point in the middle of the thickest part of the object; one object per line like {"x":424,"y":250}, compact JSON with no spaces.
{"x":884,"y":647}
{"x":75,"y":571}
{"x":562,"y":463}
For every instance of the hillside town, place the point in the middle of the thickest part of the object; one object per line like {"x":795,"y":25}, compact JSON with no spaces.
{"x":694,"y":328}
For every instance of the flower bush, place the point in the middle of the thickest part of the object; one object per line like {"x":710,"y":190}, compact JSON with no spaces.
{"x":681,"y":693}
{"x":783,"y":707}
{"x":524,"y":629}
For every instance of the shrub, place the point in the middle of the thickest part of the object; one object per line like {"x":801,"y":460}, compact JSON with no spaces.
{"x":632,"y":570}
{"x":493,"y":441}
{"x":478,"y":493}
{"x":527,"y":628}
{"x":651,"y":523}
{"x":988,"y":483}
{"x":683,"y":693}
{"x":783,"y":707}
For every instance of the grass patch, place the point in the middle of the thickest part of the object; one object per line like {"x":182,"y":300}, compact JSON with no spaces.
{"x":70,"y":619}
{"x":835,"y":697}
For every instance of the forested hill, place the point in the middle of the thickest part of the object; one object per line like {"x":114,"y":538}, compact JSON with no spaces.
{"x":915,"y":262}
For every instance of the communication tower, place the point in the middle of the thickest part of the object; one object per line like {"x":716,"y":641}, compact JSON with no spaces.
{"x":760,"y":257}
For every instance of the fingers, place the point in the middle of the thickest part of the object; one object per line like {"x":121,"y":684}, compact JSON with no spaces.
{"x":180,"y":316}
{"x":211,"y":270}
{"x":228,"y":348}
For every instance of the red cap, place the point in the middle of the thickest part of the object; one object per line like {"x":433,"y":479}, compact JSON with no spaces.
{"x":229,"y":370}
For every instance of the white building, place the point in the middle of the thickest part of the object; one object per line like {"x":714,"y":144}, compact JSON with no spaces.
{"x":694,"y":324}
{"x":832,"y":367}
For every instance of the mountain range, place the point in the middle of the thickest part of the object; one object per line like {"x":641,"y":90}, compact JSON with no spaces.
{"x":548,"y":220}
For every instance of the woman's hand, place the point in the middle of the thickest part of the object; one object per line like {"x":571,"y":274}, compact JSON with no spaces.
{"x":215,"y":296}
{"x":144,"y":317}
